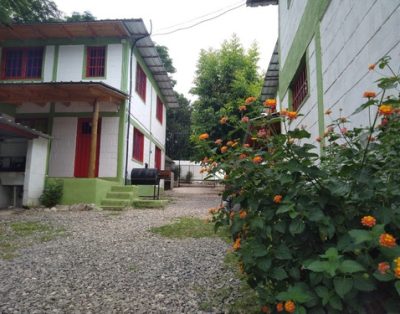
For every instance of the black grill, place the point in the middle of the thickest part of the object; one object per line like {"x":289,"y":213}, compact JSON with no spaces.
{"x":146,"y":176}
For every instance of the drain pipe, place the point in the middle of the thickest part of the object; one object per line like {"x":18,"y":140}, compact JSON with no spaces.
{"x":130,"y":100}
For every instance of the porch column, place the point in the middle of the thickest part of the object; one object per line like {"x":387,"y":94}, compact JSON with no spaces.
{"x":93,"y":140}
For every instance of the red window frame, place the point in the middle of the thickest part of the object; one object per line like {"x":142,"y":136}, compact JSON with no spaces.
{"x":22,"y":63}
{"x":138,"y":145}
{"x":141,"y":81}
{"x":95,"y":61}
{"x":157,"y":158}
{"x":299,"y":86}
{"x":160,"y":110}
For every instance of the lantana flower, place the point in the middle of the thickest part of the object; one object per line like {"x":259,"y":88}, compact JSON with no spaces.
{"x":203,"y":136}
{"x":386,"y":110}
{"x":257,"y":159}
{"x":290,"y":307}
{"x":250,"y":100}
{"x":245,"y":119}
{"x":383,"y":267}
{"x":291,"y":115}
{"x":369,"y":94}
{"x":223,"y":120}
{"x":368,"y":221}
{"x":277,"y":199}
{"x":236,"y":245}
{"x":387,"y":240}
{"x":270,"y":102}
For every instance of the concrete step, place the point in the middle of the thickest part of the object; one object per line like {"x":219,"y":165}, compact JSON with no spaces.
{"x":120,"y":195}
{"x":125,"y":188}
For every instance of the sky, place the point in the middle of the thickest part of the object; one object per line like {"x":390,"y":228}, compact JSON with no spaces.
{"x":257,"y":24}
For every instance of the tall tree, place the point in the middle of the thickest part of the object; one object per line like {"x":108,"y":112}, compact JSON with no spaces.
{"x":28,"y":11}
{"x":80,"y":17}
{"x":224,"y":78}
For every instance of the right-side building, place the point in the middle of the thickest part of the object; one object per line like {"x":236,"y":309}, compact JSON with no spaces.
{"x":322,"y":56}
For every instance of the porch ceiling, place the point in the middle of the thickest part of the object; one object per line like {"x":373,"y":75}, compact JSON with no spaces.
{"x":66,"y":92}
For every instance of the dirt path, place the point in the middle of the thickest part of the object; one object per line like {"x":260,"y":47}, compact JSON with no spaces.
{"x":112,"y":263}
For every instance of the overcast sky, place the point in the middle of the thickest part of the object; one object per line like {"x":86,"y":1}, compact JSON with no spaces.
{"x":259,"y":24}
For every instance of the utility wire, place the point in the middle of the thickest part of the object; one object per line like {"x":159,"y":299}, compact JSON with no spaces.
{"x":199,"y":17}
{"x":200,"y":22}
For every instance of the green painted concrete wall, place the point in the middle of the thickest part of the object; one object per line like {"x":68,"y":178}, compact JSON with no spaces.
{"x":84,"y":190}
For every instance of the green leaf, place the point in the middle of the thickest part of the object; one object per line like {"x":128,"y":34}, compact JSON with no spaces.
{"x":318,"y":266}
{"x":279,"y":273}
{"x":331,"y":254}
{"x":360,"y":236}
{"x":364,"y":106}
{"x":285,"y":208}
{"x":342,"y":285}
{"x":397,"y":286}
{"x":336,"y":303}
{"x":283,"y":252}
{"x":350,"y":266}
{"x":257,"y":223}
{"x":316,"y":215}
{"x":280,"y":227}
{"x":299,"y":293}
{"x":296,"y":227}
{"x":295,"y":273}
{"x":364,"y":284}
{"x":264,"y":264}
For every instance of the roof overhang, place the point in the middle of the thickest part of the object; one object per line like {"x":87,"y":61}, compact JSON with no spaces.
{"x":271,"y":79}
{"x":10,"y":129}
{"x":65,"y":92}
{"x":256,"y":3}
{"x":130,"y":29}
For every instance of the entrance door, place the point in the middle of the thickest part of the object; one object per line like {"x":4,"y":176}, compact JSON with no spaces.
{"x":82,"y":152}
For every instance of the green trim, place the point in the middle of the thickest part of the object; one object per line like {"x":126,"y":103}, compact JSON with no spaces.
{"x":125,"y":67}
{"x":320,"y":88}
{"x":151,"y":138}
{"x":154,"y":84}
{"x":309,"y":22}
{"x":8,"y":109}
{"x":62,"y":41}
{"x":121,"y":142}
{"x":84,"y":63}
{"x":55,"y":63}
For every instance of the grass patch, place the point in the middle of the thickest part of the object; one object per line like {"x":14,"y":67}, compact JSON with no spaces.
{"x":16,"y":235}
{"x":189,"y":227}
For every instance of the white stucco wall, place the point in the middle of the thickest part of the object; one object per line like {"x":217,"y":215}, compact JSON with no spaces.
{"x":35,"y":171}
{"x":108,"y":147}
{"x":77,"y":106}
{"x":48,"y":64}
{"x":355,"y":34}
{"x":62,"y":153}
{"x":29,"y":107}
{"x":289,"y":20}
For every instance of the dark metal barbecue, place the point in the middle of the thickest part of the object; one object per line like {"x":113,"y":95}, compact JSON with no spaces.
{"x":146,"y":176}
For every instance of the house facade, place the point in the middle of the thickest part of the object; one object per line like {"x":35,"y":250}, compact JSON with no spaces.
{"x":322,"y":56}
{"x":97,"y":91}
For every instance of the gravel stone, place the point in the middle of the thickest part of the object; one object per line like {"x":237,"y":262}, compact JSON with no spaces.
{"x":111,"y":262}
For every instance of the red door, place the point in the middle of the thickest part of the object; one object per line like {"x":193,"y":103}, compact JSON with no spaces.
{"x":82,"y":151}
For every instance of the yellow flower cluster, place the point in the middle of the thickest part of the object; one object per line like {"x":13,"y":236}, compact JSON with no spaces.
{"x":397,"y":267}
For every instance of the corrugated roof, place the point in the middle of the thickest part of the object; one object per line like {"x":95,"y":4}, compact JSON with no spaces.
{"x":121,"y":28}
{"x":256,"y":3}
{"x":271,"y":79}
{"x":11,"y":129}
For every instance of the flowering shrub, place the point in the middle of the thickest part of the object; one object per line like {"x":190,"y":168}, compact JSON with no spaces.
{"x":315,"y":233}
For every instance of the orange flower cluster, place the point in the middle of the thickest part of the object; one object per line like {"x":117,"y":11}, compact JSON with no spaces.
{"x":242,"y":108}
{"x":387,"y":240}
{"x":223,"y":120}
{"x":386,"y":110}
{"x":250,"y":100}
{"x":270,"y":103}
{"x":218,"y":141}
{"x":369,"y":94}
{"x":279,"y":307}
{"x":245,"y":119}
{"x":214,"y":210}
{"x":383,"y":267}
{"x":368,"y":221}
{"x":371,"y":67}
{"x":291,"y":115}
{"x":236,"y":245}
{"x":224,"y":149}
{"x":242,"y":214}
{"x":265,"y":309}
{"x":242,"y":156}
{"x":397,"y":267}
{"x":290,"y":307}
{"x":203,"y":136}
{"x":257,"y":160}
{"x":277,"y":199}
{"x":229,"y":143}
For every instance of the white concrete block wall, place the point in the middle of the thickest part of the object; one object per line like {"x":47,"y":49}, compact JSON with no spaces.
{"x":113,"y":65}
{"x":62,"y":154}
{"x":108,"y":147}
{"x":77,"y":106}
{"x":29,"y":107}
{"x":289,"y":20}
{"x":70,"y":63}
{"x":35,"y":171}
{"x":363,"y":34}
{"x":48,"y":64}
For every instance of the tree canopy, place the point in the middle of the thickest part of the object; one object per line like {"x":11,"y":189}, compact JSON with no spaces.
{"x":224,"y":79}
{"x":80,"y":17}
{"x":28,"y":11}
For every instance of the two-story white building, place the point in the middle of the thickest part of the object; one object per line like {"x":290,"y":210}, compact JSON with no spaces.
{"x":322,"y":57}
{"x":81,"y":102}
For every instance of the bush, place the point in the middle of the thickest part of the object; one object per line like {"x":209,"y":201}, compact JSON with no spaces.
{"x":316,"y":233}
{"x":52,"y":194}
{"x":189,"y":176}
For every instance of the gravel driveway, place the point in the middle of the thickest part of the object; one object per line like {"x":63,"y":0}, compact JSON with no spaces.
{"x":113,"y":264}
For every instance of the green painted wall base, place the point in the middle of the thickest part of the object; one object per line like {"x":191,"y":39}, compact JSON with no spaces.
{"x":84,"y":190}
{"x":148,"y":190}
